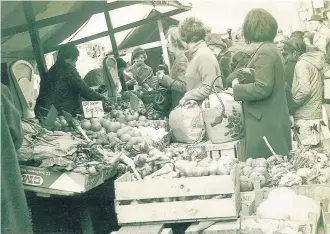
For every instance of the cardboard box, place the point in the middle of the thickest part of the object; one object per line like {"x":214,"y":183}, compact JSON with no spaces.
{"x":65,"y":181}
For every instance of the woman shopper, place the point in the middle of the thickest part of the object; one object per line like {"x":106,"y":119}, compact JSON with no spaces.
{"x":264,"y":101}
{"x":203,"y":68}
{"x":15,"y":216}
{"x":307,"y":90}
{"x":62,"y":86}
{"x":176,"y":80}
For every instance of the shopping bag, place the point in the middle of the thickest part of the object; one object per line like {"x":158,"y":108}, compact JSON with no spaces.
{"x":223,"y":118}
{"x":186,"y":123}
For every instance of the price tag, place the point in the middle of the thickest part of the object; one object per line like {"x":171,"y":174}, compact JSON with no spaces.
{"x":93,"y":109}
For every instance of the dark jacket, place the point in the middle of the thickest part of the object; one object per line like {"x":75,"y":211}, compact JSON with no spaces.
{"x":265,"y":106}
{"x":62,"y":86}
{"x":14,"y":210}
{"x":224,"y":63}
{"x":288,"y":76}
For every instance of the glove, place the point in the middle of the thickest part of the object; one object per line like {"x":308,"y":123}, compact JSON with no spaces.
{"x":182,"y":101}
{"x":235,"y":82}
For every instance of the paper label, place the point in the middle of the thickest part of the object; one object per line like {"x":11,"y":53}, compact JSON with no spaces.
{"x":93,"y":109}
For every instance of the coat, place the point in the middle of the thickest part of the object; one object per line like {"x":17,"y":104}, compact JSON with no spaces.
{"x":307,"y":86}
{"x":202,"y":71}
{"x":176,"y":80}
{"x":322,"y":38}
{"x":265,"y":107}
{"x":62,"y":86}
{"x":15,"y":216}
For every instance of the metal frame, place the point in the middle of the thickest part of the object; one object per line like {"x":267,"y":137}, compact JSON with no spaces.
{"x":33,"y":25}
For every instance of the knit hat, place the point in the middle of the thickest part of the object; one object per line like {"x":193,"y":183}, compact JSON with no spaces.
{"x":216,"y":39}
{"x":138,"y":51}
{"x":316,"y":18}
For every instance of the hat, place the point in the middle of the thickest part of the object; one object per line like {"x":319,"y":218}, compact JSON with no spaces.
{"x":216,"y":39}
{"x":138,"y":51}
{"x":316,"y":18}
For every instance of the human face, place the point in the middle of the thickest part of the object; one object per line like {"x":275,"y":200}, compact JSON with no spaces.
{"x":279,"y":41}
{"x":314,"y":25}
{"x":215,"y":49}
{"x":290,"y":56}
{"x":139,"y":60}
{"x":307,"y":41}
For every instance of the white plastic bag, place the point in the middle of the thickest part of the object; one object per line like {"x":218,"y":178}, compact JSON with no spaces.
{"x":223,"y":118}
{"x":186,"y":122}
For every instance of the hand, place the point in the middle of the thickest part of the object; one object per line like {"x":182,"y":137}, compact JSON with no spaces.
{"x":160,"y":74}
{"x":292,"y":121}
{"x":182,"y":101}
{"x":235,"y":82}
{"x":230,"y":91}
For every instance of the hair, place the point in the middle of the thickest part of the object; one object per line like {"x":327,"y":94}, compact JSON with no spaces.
{"x":297,"y":35}
{"x":295,"y":44}
{"x":68,"y":51}
{"x":309,"y":35}
{"x":259,"y":26}
{"x":174,"y":34}
{"x":192,"y":30}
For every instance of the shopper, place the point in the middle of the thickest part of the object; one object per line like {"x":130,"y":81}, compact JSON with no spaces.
{"x":176,"y":80}
{"x":297,"y":35}
{"x":203,"y":68}
{"x":219,"y":49}
{"x":307,"y":89}
{"x":264,"y":101}
{"x":62,"y":86}
{"x":15,"y":216}
{"x":322,"y":32}
{"x":279,"y":41}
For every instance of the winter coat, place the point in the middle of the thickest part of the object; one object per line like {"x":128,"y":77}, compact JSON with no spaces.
{"x":202,"y":71}
{"x":322,"y":38}
{"x":307,"y":86}
{"x":62,"y":86}
{"x":15,"y":216}
{"x":265,"y":107}
{"x":288,"y":78}
{"x":176,"y":80}
{"x":224,"y":60}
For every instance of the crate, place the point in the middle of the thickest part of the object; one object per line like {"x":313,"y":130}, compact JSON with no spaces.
{"x":233,"y":149}
{"x":250,"y":223}
{"x":177,"y":199}
{"x":215,"y":227}
{"x":326,"y":215}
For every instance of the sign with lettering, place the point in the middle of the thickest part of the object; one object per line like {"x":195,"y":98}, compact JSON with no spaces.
{"x":93,"y":109}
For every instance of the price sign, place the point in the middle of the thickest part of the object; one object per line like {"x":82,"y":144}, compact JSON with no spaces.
{"x":93,"y":109}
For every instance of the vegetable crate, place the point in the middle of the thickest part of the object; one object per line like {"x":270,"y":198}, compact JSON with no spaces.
{"x":326,"y":215}
{"x":251,"y":223}
{"x":215,"y":227}
{"x":233,"y":149}
{"x":177,"y":199}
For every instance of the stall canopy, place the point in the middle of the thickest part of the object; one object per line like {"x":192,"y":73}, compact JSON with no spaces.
{"x":55,"y":21}
{"x":147,"y":33}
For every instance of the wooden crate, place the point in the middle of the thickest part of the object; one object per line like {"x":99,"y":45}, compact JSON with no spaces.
{"x":233,"y":149}
{"x":255,"y":223}
{"x":215,"y":227}
{"x":192,"y":199}
{"x":144,"y":229}
{"x":326,"y":215}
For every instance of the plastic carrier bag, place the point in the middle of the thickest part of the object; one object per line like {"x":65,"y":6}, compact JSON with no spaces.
{"x":186,"y":123}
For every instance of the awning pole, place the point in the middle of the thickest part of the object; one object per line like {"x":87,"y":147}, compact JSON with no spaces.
{"x":35,"y":38}
{"x":111,"y":34}
{"x":164,"y":43}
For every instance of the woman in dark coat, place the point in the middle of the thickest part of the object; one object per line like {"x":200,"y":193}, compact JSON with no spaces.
{"x":264,"y":100}
{"x":14,"y":210}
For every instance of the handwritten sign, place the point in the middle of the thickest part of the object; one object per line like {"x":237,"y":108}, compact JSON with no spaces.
{"x":93,"y":109}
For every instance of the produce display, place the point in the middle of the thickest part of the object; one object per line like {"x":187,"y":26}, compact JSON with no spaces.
{"x":307,"y":166}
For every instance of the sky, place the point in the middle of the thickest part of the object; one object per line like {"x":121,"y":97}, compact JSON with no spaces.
{"x":219,"y":15}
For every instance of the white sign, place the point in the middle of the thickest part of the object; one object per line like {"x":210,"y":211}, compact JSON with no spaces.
{"x":93,"y":109}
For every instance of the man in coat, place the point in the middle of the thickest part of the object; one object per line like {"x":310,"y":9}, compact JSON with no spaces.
{"x":14,"y":210}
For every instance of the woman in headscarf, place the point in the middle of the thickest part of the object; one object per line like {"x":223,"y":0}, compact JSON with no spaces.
{"x":203,"y":69}
{"x":264,"y":100}
{"x":307,"y":90}
{"x":15,"y":216}
{"x":176,"y":80}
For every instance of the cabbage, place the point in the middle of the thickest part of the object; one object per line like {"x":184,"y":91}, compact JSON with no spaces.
{"x":282,"y":194}
{"x":269,"y":209}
